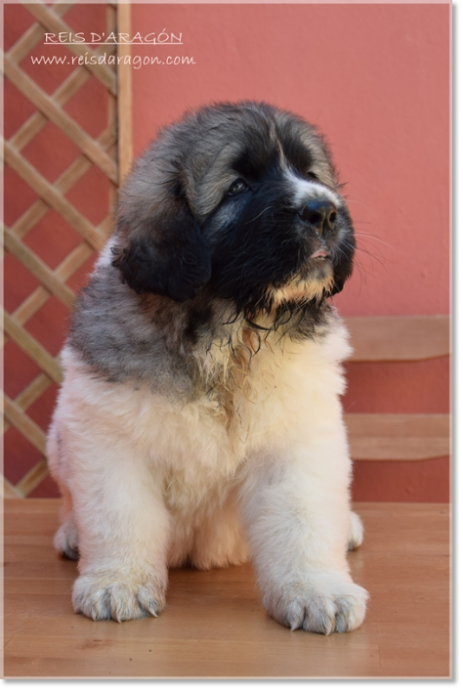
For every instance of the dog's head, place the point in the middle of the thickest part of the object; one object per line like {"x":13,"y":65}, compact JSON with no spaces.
{"x":240,"y":200}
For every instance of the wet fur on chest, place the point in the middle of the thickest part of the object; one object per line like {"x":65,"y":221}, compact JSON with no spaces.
{"x":204,"y":348}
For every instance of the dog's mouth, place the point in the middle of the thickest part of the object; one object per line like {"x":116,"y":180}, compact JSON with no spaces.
{"x":320,"y":255}
{"x":310,"y":282}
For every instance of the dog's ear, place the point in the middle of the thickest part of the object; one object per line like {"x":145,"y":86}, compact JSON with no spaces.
{"x":161,"y":250}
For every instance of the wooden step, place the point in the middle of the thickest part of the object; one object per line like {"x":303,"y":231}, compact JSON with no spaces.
{"x":398,"y":436}
{"x":399,"y":338}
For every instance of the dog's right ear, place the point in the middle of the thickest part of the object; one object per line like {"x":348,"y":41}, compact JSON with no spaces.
{"x":162,"y":250}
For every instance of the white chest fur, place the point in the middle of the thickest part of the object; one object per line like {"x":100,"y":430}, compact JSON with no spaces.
{"x":252,"y":403}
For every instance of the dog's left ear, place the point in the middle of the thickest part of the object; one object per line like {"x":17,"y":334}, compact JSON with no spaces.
{"x":161,"y":251}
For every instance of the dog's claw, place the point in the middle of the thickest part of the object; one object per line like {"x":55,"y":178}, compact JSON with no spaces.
{"x":100,"y":599}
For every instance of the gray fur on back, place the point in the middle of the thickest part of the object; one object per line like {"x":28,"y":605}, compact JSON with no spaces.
{"x":125,"y":336}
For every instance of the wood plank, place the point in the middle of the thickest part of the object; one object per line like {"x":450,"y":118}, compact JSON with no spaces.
{"x":124,"y":99}
{"x":112,"y":103}
{"x":403,"y":449}
{"x":67,"y":267}
{"x":39,"y":269}
{"x":32,"y":36}
{"x":9,"y":491}
{"x":30,"y":394}
{"x":32,"y":347}
{"x":30,"y":218}
{"x":33,"y":478}
{"x":214,"y":625}
{"x":37,"y":121}
{"x":38,"y":298}
{"x":33,"y":391}
{"x":60,"y":118}
{"x":25,"y":425}
{"x":107,"y":225}
{"x":400,"y":425}
{"x":63,"y":184}
{"x":68,"y":88}
{"x":399,"y":338}
{"x":398,"y":436}
{"x":53,"y":197}
{"x":55,"y":24}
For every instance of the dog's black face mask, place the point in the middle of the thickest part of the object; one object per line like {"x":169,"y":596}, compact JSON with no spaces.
{"x":266,"y":249}
{"x":239,"y":201}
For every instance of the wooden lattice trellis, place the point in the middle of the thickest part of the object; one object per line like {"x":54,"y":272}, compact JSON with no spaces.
{"x":110,"y":152}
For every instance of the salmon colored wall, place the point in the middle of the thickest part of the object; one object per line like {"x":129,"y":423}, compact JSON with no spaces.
{"x":375,"y":78}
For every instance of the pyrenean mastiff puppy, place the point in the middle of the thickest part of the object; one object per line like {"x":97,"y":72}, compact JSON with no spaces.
{"x":199,"y":420}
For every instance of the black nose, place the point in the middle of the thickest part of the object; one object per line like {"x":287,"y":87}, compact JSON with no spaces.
{"x":320,"y":214}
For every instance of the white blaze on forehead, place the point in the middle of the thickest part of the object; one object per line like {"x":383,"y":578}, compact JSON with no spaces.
{"x":308,"y":189}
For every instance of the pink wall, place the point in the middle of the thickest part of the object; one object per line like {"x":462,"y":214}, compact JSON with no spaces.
{"x":375,"y":78}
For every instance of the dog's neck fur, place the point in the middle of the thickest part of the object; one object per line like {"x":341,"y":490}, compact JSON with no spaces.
{"x":227,"y":342}
{"x":182,"y":349}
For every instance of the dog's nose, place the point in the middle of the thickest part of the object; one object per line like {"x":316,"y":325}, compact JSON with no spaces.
{"x":320,"y":214}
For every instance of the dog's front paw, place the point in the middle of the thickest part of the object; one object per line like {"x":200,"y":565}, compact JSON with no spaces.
{"x":322,"y":603}
{"x":103,"y":597}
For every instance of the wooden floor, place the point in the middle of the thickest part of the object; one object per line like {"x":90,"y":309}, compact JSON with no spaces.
{"x":214,"y":625}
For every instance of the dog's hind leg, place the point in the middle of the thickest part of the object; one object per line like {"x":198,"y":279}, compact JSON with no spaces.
{"x":66,"y":539}
{"x":356,"y":532}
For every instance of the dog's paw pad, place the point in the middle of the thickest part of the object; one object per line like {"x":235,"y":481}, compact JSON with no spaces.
{"x":101,"y":599}
{"x":356,"y":532}
{"x":321,"y":607}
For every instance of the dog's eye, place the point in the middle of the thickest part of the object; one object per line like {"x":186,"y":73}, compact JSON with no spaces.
{"x":311,"y":175}
{"x":238,"y":187}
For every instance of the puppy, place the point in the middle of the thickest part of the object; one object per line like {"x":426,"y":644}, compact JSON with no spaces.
{"x":199,"y":420}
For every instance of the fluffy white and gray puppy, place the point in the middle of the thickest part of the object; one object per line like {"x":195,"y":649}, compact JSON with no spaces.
{"x":199,"y":420}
